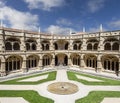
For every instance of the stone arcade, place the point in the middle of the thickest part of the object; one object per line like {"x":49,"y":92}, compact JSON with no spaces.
{"x":22,"y":50}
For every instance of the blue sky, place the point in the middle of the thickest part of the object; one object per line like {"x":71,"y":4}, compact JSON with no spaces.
{"x":61,"y":16}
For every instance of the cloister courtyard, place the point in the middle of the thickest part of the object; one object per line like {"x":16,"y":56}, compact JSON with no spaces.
{"x":60,"y":84}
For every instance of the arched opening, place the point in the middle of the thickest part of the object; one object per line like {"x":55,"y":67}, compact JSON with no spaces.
{"x":111,"y":44}
{"x":27,"y":46}
{"x":90,"y":60}
{"x":92,"y":44}
{"x":42,"y":47}
{"x":75,"y":58}
{"x":47,"y":46}
{"x":46,"y":60}
{"x":12,"y":44}
{"x":107,"y":46}
{"x":32,"y":61}
{"x":65,"y":61}
{"x":33,"y":46}
{"x":95,"y":46}
{"x":75,"y":47}
{"x":110,"y":63}
{"x":16,"y":46}
{"x":55,"y":46}
{"x":56,"y":60}
{"x":8,"y":46}
{"x":115,"y":46}
{"x":79,"y":47}
{"x":66,"y":46}
{"x":89,"y":47}
{"x":61,"y":59}
{"x":13,"y":63}
{"x":61,"y":44}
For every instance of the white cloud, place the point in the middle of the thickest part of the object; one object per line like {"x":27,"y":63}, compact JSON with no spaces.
{"x":17,"y":19}
{"x":59,"y":30}
{"x":115,"y":23}
{"x":63,"y":21}
{"x":95,"y":5}
{"x":44,"y":4}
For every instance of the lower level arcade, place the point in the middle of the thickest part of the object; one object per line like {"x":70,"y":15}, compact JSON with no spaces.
{"x":99,"y":63}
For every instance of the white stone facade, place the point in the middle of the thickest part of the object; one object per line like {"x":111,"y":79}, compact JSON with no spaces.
{"x":24,"y":50}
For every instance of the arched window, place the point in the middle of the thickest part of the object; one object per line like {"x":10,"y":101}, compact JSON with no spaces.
{"x":66,"y":46}
{"x":91,"y":61}
{"x":46,"y":60}
{"x":13,"y":63}
{"x":107,"y":46}
{"x":32,"y":61}
{"x":75,"y":47}
{"x":95,"y":46}
{"x":115,"y":46}
{"x":8,"y":46}
{"x":33,"y":46}
{"x":16,"y":46}
{"x":47,"y":46}
{"x":75,"y":58}
{"x":12,"y":44}
{"x":27,"y":46}
{"x":79,"y":47}
{"x":89,"y":47}
{"x":56,"y":46}
{"x":110,"y":63}
{"x":65,"y":60}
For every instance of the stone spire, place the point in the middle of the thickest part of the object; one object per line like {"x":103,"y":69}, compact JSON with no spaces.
{"x":83,"y":29}
{"x":101,"y":28}
{"x":70,"y":32}
{"x":39,"y":30}
{"x":1,"y":23}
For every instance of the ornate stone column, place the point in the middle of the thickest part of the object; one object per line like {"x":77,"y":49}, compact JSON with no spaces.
{"x":2,"y":68}
{"x":24,"y":67}
{"x":51,"y":45}
{"x":82,"y":61}
{"x":118,"y":72}
{"x":53,"y":61}
{"x":99,"y":64}
{"x":40,"y":66}
{"x":69,"y":61}
{"x":84,"y":45}
{"x":70,"y":46}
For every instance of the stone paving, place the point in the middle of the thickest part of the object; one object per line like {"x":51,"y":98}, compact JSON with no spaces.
{"x":88,"y":79}
{"x":61,"y":77}
{"x":111,"y":100}
{"x":34,"y":79}
{"x":12,"y":100}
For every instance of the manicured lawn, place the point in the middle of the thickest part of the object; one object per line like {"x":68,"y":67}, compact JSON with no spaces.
{"x":30,"y":96}
{"x":97,"y":96}
{"x":106,"y":81}
{"x":51,"y":76}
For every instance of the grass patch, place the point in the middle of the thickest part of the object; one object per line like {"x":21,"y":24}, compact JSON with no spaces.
{"x":98,"y":96}
{"x":106,"y":81}
{"x":31,"y":96}
{"x":51,"y":76}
